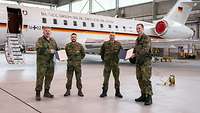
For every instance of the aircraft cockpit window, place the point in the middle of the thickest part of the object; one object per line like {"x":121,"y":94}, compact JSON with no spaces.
{"x":65,"y":22}
{"x":101,"y":25}
{"x":54,"y":21}
{"x":44,"y":20}
{"x":75,"y":23}
{"x":92,"y":24}
{"x":84,"y":24}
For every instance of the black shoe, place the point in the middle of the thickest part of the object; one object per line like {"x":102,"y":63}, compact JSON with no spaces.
{"x":118,"y":94}
{"x":104,"y":93}
{"x":48,"y":94}
{"x":37,"y":97}
{"x":80,"y":93}
{"x":67,"y":93}
{"x":148,"y":100}
{"x":141,"y":98}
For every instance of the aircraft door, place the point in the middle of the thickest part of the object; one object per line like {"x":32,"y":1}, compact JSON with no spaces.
{"x":14,"y":20}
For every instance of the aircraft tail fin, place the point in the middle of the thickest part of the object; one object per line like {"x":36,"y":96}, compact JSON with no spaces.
{"x":180,"y":12}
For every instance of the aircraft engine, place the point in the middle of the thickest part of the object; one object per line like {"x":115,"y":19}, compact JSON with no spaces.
{"x":172,"y":30}
{"x":161,"y":27}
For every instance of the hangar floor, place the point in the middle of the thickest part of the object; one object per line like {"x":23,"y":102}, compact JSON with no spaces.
{"x":19,"y":81}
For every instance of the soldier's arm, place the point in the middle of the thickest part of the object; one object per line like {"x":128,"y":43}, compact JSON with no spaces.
{"x":56,"y":46}
{"x":134,"y":51}
{"x":54,"y":49}
{"x":82,"y":52}
{"x":66,"y":49}
{"x":40,"y":47}
{"x":120,"y":46}
{"x":102,"y":51}
{"x":38,"y":44}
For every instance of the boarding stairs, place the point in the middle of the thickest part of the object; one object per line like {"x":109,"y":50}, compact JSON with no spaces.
{"x":13,"y":49}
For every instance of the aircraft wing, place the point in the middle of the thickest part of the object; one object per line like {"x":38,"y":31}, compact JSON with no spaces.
{"x":170,"y":43}
{"x":93,"y":48}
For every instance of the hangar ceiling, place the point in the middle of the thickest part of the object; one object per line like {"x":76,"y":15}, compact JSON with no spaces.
{"x":46,"y":2}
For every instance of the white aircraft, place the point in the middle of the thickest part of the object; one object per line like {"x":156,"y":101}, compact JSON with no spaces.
{"x":24,"y":24}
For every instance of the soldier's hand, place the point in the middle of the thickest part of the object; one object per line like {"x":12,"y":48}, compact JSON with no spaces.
{"x":52,"y":51}
{"x":133,"y":55}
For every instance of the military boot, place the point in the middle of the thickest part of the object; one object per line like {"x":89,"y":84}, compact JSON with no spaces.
{"x":37,"y":97}
{"x":118,"y":94}
{"x":48,"y":94}
{"x":148,"y":100}
{"x":141,"y":98}
{"x":104,"y":93}
{"x":67,"y":93}
{"x":80,"y":93}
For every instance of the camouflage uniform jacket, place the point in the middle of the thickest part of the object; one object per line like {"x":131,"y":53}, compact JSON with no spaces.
{"x":43,"y":47}
{"x":143,"y":49}
{"x":74,"y":51}
{"x":110,"y":51}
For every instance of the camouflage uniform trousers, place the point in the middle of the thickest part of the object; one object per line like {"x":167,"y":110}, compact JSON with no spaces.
{"x":143,"y":74}
{"x":44,"y":70}
{"x":71,"y":68}
{"x":108,"y":67}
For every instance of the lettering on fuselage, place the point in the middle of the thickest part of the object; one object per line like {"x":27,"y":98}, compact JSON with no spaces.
{"x":56,"y":15}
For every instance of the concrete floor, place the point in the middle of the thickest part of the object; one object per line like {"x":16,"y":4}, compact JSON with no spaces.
{"x":19,"y":80}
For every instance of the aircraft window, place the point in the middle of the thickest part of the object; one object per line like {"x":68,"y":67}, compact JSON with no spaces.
{"x":75,"y":23}
{"x":54,"y":21}
{"x":116,"y":27}
{"x":101,"y":25}
{"x":92,"y":24}
{"x":109,"y":26}
{"x":124,"y":27}
{"x":84,"y":24}
{"x":44,"y":20}
{"x":65,"y":22}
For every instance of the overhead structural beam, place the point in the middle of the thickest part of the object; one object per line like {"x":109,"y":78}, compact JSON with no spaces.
{"x":34,"y":2}
{"x":90,"y":6}
{"x":198,"y":28}
{"x":100,"y":4}
{"x":117,"y":7}
{"x":90,"y":2}
{"x":154,"y":10}
{"x":70,"y":7}
{"x":84,"y":6}
{"x":64,"y":2}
